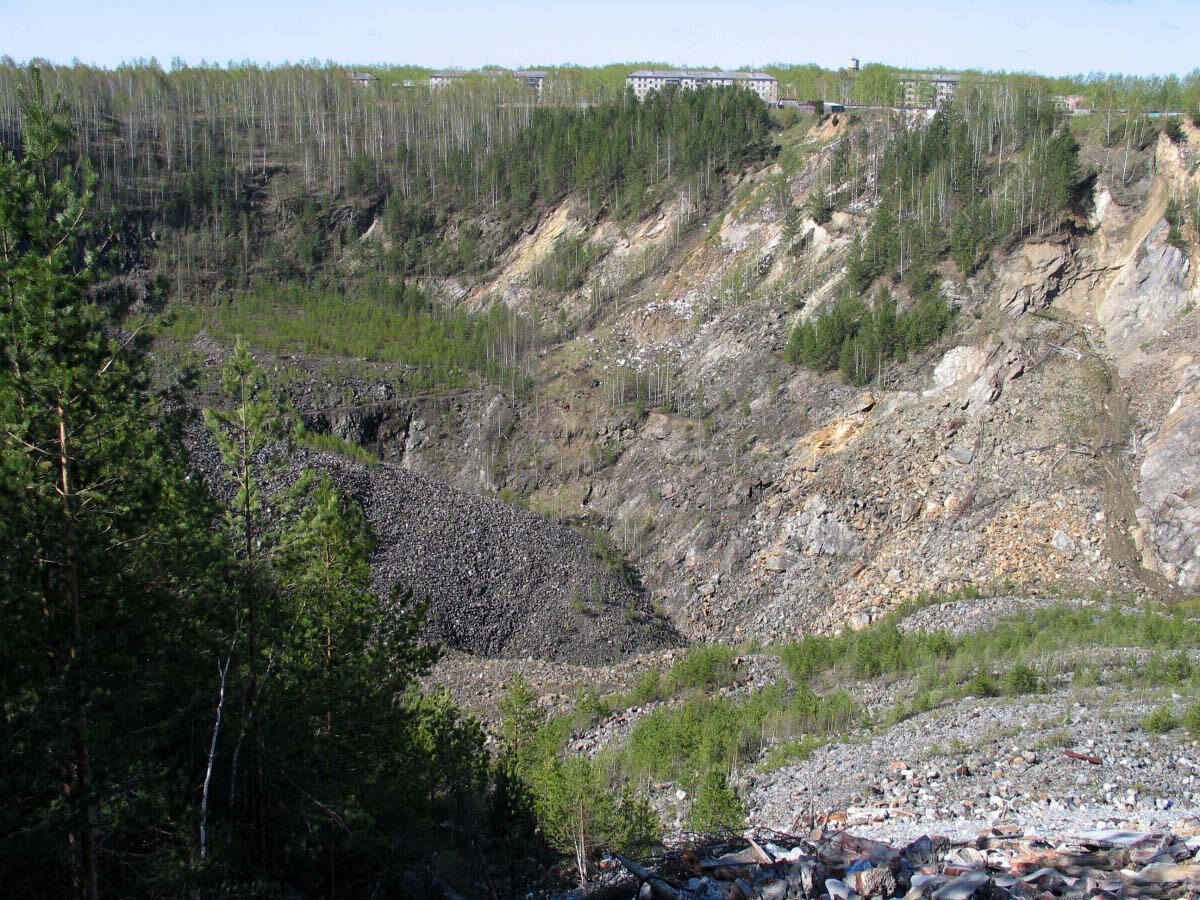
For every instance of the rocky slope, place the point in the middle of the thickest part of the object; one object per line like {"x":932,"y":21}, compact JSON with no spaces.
{"x":1046,"y":444}
{"x":499,"y":580}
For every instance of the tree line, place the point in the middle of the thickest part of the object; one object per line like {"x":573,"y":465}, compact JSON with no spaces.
{"x":223,"y":174}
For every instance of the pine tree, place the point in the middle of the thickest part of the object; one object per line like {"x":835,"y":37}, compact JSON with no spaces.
{"x":98,"y":573}
{"x":248,"y":435}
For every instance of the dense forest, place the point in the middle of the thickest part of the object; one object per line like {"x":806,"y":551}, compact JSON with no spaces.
{"x":290,"y":204}
{"x":229,"y":174}
{"x":205,"y":698}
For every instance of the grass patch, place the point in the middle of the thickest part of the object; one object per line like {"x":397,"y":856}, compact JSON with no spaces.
{"x":331,"y":443}
{"x":1007,"y":652}
{"x":379,"y":320}
{"x":718,"y":734}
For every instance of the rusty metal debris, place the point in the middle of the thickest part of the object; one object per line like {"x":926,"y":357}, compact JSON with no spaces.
{"x":836,"y":865}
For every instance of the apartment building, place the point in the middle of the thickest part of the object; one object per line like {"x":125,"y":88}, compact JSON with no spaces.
{"x":925,"y":89}
{"x":533,"y":79}
{"x":643,"y":81}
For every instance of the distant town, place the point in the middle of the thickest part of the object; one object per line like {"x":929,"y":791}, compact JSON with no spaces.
{"x":915,"y":90}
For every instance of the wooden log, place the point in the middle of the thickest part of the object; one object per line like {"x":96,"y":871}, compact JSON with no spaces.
{"x":659,"y":886}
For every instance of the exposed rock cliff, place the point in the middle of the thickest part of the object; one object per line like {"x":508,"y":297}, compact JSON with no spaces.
{"x":1048,"y":443}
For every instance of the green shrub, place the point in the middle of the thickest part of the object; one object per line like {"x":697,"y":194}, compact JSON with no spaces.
{"x":1173,"y":129}
{"x":818,"y":206}
{"x":647,"y":689}
{"x":1191,"y":719}
{"x":716,"y":807}
{"x":1160,"y":721}
{"x":1174,"y":225}
{"x":702,"y":668}
{"x":521,"y":717}
{"x":1021,"y":679}
{"x":1168,"y":670}
{"x":982,"y":685}
{"x":588,"y":709}
{"x":638,"y":826}
{"x":608,"y":552}
{"x":574,"y":805}
{"x":858,"y":339}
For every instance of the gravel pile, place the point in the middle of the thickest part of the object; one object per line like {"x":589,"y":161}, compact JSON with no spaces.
{"x":1048,"y":766}
{"x":500,"y":580}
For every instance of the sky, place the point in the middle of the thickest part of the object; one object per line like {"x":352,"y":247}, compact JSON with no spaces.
{"x":1052,"y":37}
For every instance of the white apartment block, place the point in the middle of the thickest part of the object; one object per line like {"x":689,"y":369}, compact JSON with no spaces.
{"x":530,"y":78}
{"x":643,"y":81}
{"x":927,"y":89}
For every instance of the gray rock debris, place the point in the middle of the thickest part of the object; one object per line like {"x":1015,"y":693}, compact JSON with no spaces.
{"x":998,"y":864}
{"x":500,"y":580}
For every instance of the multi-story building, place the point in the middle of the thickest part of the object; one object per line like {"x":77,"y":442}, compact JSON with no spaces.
{"x":643,"y":81}
{"x":446,"y":78}
{"x":925,"y":89}
{"x":531,"y":78}
{"x":1075,"y":104}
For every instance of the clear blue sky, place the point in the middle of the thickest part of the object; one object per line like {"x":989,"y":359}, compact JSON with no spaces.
{"x":1049,"y":36}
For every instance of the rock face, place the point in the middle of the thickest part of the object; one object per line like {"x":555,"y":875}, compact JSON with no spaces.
{"x":1148,"y":293}
{"x":1033,"y":277}
{"x":763,"y":500}
{"x":819,"y":530}
{"x":1170,"y":491}
{"x":959,"y":364}
{"x":500,"y":580}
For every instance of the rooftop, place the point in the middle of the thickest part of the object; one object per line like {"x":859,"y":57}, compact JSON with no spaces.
{"x":491,"y":73}
{"x":700,"y":74}
{"x":930,"y":76}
